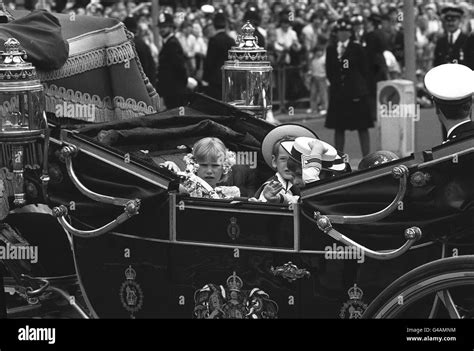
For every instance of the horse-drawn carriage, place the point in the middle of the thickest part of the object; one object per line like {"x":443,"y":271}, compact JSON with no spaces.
{"x":122,"y":242}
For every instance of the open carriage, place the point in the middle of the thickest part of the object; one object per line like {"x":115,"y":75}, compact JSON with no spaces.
{"x":122,"y":242}
{"x":371,"y":243}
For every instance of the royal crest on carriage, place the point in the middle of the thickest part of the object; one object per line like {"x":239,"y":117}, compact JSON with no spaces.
{"x":131,"y":294}
{"x":354,"y":307}
{"x":231,"y":302}
{"x":233,"y":229}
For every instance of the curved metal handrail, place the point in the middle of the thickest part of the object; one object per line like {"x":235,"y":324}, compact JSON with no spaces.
{"x":48,"y":287}
{"x":412,"y":235}
{"x":72,"y":301}
{"x":35,"y":293}
{"x":400,"y":172}
{"x":130,"y":210}
{"x":66,"y":154}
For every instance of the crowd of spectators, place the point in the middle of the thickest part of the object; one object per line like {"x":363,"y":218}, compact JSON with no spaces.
{"x":295,"y":33}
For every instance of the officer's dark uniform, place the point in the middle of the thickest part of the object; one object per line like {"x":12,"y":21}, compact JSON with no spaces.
{"x":375,"y":45}
{"x":452,"y":88}
{"x":450,"y":52}
{"x":349,"y":92}
{"x":217,"y":54}
{"x":172,"y":75}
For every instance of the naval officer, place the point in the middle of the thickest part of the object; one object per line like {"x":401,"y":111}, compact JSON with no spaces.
{"x":452,"y":87}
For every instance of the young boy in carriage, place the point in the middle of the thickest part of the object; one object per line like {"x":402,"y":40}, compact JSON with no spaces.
{"x":299,"y":157}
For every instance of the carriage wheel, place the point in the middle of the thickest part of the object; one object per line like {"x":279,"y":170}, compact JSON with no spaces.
{"x":439,"y":289}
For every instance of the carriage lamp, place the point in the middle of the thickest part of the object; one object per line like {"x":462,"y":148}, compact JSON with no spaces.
{"x":24,"y":133}
{"x":247,"y":75}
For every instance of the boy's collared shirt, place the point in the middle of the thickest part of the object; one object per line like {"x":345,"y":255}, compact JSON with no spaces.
{"x":287,"y":192}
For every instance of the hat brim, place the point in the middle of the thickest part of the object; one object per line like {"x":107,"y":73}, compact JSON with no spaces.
{"x":331,"y":155}
{"x":280,"y":132}
{"x":436,"y":78}
{"x":452,"y":11}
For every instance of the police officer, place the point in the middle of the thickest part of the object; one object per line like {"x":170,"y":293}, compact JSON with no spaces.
{"x":373,"y":40}
{"x":217,"y":54}
{"x":452,"y":88}
{"x":349,"y":103}
{"x":172,"y":75}
{"x":450,"y":48}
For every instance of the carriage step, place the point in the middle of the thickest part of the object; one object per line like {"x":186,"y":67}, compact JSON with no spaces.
{"x":28,"y":311}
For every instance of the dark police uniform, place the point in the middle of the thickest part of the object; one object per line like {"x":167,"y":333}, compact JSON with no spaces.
{"x":446,"y":52}
{"x":349,"y":106}
{"x":375,"y":45}
{"x":447,"y":49}
{"x":172,"y":75}
{"x":462,"y":131}
{"x":217,"y":54}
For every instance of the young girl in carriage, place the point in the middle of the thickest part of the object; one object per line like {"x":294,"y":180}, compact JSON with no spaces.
{"x":207,"y":166}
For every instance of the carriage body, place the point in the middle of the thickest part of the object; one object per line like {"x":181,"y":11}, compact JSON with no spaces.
{"x":184,"y":257}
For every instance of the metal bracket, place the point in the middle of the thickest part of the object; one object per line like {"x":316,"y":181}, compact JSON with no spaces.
{"x":412,"y":235}
{"x":130,"y":209}
{"x":400,"y":172}
{"x":66,"y":155}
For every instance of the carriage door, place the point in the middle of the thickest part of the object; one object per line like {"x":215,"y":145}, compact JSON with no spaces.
{"x":233,"y":259}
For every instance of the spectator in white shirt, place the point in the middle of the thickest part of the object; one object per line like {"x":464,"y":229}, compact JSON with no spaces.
{"x":189,"y":44}
{"x":286,"y":40}
{"x":319,"y":85}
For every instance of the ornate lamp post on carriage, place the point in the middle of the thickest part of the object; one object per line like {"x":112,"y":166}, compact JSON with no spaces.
{"x":24,"y":142}
{"x":247,"y":75}
{"x":24,"y":132}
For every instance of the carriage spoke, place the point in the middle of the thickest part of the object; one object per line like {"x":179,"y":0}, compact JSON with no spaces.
{"x":434,"y":308}
{"x":446,"y":298}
